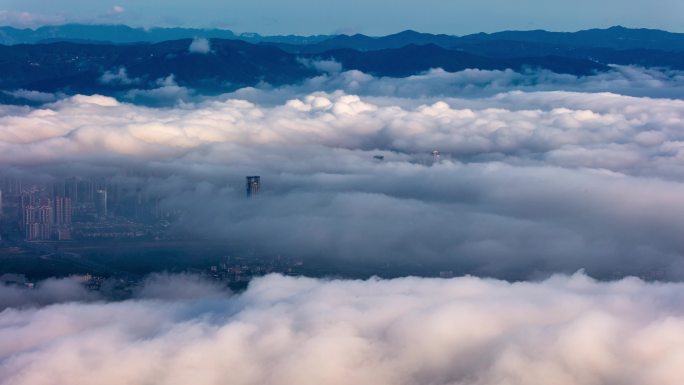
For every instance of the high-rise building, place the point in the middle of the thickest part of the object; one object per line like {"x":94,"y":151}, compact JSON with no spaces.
{"x":59,"y":189}
{"x":11,"y":186}
{"x":37,"y":219}
{"x":435,"y":157}
{"x":63,"y":211}
{"x":71,"y":187}
{"x":85,"y":191}
{"x":28,"y":197}
{"x":253,"y":185}
{"x":101,"y":203}
{"x":63,"y":214}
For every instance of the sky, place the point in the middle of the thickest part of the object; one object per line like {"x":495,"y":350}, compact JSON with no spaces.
{"x":374,"y":17}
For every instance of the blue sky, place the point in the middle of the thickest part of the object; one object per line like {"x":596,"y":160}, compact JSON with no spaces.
{"x":351,"y":16}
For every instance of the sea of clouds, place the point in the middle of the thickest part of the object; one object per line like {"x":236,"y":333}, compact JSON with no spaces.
{"x":530,"y":181}
{"x":565,"y":330}
{"x":540,"y":175}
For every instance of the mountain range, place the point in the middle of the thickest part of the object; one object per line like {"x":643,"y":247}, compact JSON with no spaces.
{"x":113,"y":59}
{"x":615,"y":37}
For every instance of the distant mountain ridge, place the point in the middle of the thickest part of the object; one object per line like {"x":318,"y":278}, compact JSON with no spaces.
{"x":79,"y":68}
{"x":617,"y":37}
{"x":122,"y":34}
{"x":69,"y":61}
{"x":412,"y":59}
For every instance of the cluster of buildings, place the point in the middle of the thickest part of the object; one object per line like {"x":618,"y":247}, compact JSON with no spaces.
{"x":234,"y":271}
{"x":47,"y":212}
{"x":243,"y":268}
{"x":81,"y":208}
{"x":76,"y":208}
{"x":46,"y":219}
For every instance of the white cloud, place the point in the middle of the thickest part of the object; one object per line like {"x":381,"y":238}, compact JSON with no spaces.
{"x":438,"y":84}
{"x":568,"y":330}
{"x":560,"y":128}
{"x":117,"y":77}
{"x":200,"y":45}
{"x":179,"y":286}
{"x":166,"y":91}
{"x":34,"y":96}
{"x":540,"y":173}
{"x":45,"y":293}
{"x":28,"y":19}
{"x":331,"y":67}
{"x":530,"y":182}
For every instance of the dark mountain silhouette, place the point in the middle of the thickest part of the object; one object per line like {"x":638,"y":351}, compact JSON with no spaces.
{"x":122,"y":34}
{"x":73,"y":67}
{"x":615,"y":37}
{"x":413,"y":59}
{"x":361,"y":42}
{"x":96,"y":60}
{"x":76,"y":67}
{"x":618,"y":37}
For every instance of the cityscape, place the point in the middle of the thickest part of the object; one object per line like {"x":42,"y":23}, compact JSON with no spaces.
{"x":56,"y":217}
{"x":71,"y":220}
{"x":78,"y":209}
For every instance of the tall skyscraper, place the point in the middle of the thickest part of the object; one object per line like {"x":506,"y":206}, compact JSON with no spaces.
{"x":72,"y":190}
{"x":435,"y":157}
{"x":101,"y":203}
{"x":253,"y":185}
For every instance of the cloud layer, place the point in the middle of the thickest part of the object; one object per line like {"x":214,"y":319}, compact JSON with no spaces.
{"x":538,"y":175}
{"x":15,"y":294}
{"x":569,"y":129}
{"x":529,"y":183}
{"x":471,"y":83}
{"x":200,"y":46}
{"x":565,"y":330}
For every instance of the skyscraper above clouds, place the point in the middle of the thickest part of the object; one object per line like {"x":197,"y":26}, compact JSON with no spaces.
{"x":253,"y":185}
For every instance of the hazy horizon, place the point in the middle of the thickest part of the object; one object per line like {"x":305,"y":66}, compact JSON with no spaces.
{"x":95,"y":23}
{"x":379,"y":17}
